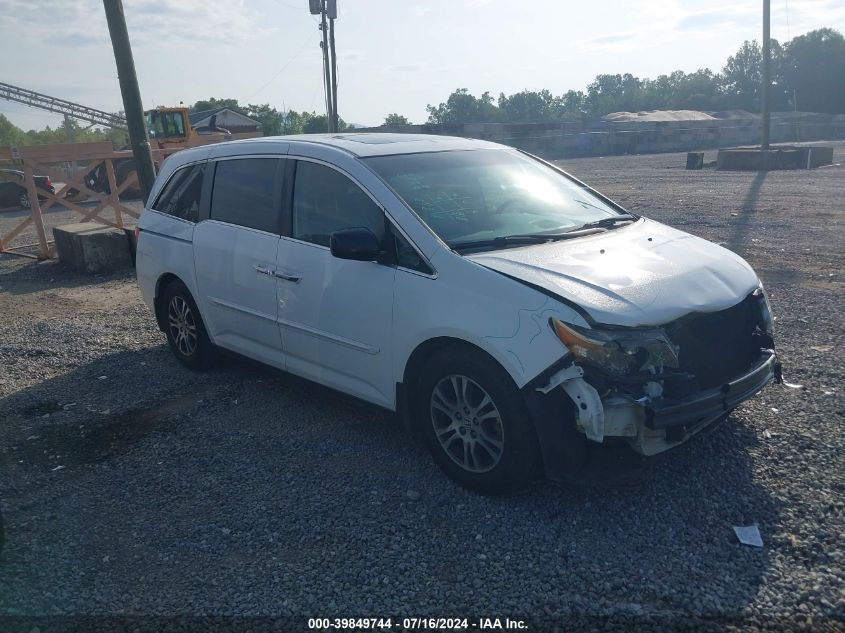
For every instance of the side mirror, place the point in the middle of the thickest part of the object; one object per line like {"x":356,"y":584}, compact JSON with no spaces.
{"x":358,"y":244}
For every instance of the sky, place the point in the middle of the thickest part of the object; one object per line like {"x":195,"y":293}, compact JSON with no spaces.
{"x":393,"y":55}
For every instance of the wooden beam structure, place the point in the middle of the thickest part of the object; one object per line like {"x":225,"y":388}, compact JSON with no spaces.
{"x":47,"y":160}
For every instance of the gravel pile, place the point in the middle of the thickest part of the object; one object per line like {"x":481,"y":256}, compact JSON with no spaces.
{"x":131,"y":486}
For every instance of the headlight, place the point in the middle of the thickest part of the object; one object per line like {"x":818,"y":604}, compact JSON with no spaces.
{"x":618,"y":351}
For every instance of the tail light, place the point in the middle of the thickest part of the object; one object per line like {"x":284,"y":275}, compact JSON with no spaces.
{"x":49,"y":182}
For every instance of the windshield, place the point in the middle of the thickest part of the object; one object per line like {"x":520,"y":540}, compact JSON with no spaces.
{"x":484,"y":195}
{"x":164,"y":123}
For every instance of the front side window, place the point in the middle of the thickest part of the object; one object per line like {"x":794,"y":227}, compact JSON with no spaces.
{"x":325,"y":201}
{"x":407,"y":256}
{"x":247,"y":192}
{"x":181,"y":195}
{"x":477,"y":195}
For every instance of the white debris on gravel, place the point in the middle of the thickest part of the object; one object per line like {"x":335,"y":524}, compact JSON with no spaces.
{"x":749,"y":535}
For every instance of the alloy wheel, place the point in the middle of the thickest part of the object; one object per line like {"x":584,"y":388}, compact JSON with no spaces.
{"x":182,"y":326}
{"x":467,"y":423}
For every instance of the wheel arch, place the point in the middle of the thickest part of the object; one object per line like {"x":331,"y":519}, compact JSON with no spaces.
{"x":424,"y":351}
{"x":163,"y":281}
{"x":549,"y":415}
{"x":428,"y":348}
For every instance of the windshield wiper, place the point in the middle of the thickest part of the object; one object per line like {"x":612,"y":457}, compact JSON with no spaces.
{"x":517,"y":240}
{"x":607,"y":222}
{"x":505,"y":241}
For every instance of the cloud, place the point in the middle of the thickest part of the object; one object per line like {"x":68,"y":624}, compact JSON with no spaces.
{"x":613,"y":39}
{"x":406,"y":68}
{"x":150,"y":22}
{"x":75,"y":39}
{"x":425,"y":68}
{"x":716,"y":19}
{"x":607,"y":42}
{"x":223,"y":22}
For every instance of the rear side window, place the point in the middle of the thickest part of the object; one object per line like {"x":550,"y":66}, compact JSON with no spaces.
{"x":181,"y":195}
{"x":248,"y":192}
{"x":325,"y":201}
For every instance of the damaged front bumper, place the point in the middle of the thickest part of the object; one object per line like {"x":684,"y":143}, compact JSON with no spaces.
{"x":653,"y":425}
{"x":667,"y":414}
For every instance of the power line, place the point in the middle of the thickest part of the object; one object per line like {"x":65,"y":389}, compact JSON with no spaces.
{"x":279,"y":72}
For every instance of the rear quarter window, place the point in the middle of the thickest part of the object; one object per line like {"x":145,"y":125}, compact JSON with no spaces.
{"x":182,"y":193}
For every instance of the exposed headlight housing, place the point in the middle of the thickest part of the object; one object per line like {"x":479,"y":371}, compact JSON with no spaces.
{"x":767,"y":321}
{"x":621,"y":352}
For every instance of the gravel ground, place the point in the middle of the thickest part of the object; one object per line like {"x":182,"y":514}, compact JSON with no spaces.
{"x":133,"y":487}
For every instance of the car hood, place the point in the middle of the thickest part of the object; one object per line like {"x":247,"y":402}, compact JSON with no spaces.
{"x":645,"y":273}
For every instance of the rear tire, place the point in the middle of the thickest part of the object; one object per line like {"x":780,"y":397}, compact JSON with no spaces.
{"x":23,"y":200}
{"x":475,"y":422}
{"x":184,"y":327}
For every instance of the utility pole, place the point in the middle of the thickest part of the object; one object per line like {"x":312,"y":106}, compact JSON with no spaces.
{"x":767,"y":78}
{"x":131,"y":95}
{"x":332,"y":12}
{"x":326,"y":67}
{"x":70,"y":167}
{"x":327,"y":10}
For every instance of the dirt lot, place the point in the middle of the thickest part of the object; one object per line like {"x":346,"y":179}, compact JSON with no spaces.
{"x":131,"y":486}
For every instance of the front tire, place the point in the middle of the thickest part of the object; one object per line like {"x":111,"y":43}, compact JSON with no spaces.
{"x":23,"y":200}
{"x":475,"y":422}
{"x":184,"y":327}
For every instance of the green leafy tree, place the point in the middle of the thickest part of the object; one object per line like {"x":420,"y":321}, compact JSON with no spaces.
{"x":11,"y":134}
{"x":814,"y":67}
{"x":318,"y":124}
{"x":212,"y":103}
{"x":700,"y":90}
{"x":742,"y":76}
{"x":530,"y":106}
{"x":462,"y":107}
{"x":271,"y":120}
{"x":395,"y":119}
{"x":573,"y":104}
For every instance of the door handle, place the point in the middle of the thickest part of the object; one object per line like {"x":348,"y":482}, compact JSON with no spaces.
{"x":287,"y":276}
{"x":262,"y":269}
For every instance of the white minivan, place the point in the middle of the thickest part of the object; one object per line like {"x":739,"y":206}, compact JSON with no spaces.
{"x":507,"y":312}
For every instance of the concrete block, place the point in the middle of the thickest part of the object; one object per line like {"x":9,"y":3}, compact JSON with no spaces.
{"x":778,"y":157}
{"x":819,"y":156}
{"x":92,"y":248}
{"x":695,"y":160}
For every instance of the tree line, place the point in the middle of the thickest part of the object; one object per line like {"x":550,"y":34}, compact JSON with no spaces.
{"x":808,"y":74}
{"x":273,"y":122}
{"x":69,"y":131}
